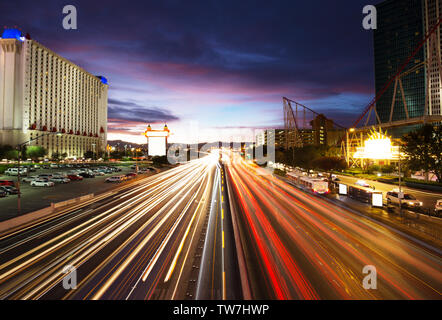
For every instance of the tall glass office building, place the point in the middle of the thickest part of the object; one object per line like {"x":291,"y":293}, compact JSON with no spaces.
{"x":402,"y":24}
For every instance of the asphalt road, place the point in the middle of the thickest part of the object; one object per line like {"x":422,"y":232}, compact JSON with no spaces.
{"x":171,"y":236}
{"x":427,"y":197}
{"x":300,"y":246}
{"x":141,"y":242}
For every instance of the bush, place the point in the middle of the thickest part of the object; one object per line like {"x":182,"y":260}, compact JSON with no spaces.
{"x":388,"y":168}
{"x":280,"y":172}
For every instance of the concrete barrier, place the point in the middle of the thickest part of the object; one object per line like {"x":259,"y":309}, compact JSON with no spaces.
{"x":71,"y":201}
{"x":23,"y":221}
{"x":20,"y":221}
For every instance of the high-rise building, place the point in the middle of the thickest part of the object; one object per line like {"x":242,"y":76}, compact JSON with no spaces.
{"x":402,"y":25}
{"x":321,"y":127}
{"x":45,"y":96}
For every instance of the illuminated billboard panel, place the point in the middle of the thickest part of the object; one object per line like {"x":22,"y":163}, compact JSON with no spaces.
{"x":157,"y":146}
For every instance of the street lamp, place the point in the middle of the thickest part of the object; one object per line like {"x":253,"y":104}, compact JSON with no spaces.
{"x":20,"y":147}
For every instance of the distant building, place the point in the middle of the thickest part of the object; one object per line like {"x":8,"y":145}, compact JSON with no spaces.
{"x":402,"y":25}
{"x":42,"y":92}
{"x":321,"y":126}
{"x":277,"y":135}
{"x":322,"y":132}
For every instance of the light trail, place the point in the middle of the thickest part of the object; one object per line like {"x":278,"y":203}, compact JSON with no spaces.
{"x":321,"y":247}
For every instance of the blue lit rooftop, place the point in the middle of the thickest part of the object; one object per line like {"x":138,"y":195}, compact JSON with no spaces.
{"x":12,"y":34}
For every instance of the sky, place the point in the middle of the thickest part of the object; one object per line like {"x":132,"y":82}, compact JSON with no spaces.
{"x":211,"y":70}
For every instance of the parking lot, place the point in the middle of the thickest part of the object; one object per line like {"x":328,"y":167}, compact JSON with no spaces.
{"x":35,"y":198}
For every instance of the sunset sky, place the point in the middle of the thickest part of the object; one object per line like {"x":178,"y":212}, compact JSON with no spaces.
{"x":211,"y":69}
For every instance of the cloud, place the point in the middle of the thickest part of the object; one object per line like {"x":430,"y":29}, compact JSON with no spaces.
{"x":131,"y":111}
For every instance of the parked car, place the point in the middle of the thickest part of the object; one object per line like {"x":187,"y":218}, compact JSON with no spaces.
{"x":59,"y":180}
{"x":115,"y":179}
{"x":6,"y":183}
{"x":45,"y":176}
{"x":74,"y":177}
{"x":46,"y":166}
{"x":98,"y":173}
{"x":2,"y":193}
{"x":42,"y":183}
{"x":362,"y":183}
{"x":29,"y":179}
{"x":407,"y":201}
{"x":54,"y":166}
{"x":438,"y":207}
{"x":14,"y":171}
{"x":131,"y":175}
{"x":87,"y":175}
{"x":9,"y":189}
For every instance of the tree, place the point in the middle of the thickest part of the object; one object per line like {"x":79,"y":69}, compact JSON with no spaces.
{"x":424,"y":150}
{"x":304,"y":157}
{"x":6,"y":151}
{"x":329,"y":164}
{"x":35,"y":152}
{"x":89,"y":155}
{"x":160,"y":160}
{"x":55,"y":156}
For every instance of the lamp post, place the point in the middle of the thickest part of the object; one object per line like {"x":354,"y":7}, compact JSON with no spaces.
{"x":400,"y":195}
{"x":20,"y":148}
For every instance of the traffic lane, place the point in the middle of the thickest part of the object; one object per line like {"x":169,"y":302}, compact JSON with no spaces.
{"x":427,"y":197}
{"x":80,"y":230}
{"x":232,"y":280}
{"x":210,"y":282}
{"x":103,"y":285}
{"x":125,"y":277}
{"x":169,"y":279}
{"x":42,"y":232}
{"x":348,"y":243}
{"x":397,"y":257}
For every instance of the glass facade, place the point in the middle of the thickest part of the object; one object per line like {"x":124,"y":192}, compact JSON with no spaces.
{"x":400,"y":29}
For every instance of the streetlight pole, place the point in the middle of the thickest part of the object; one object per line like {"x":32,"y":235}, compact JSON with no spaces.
{"x":400,"y":188}
{"x":18,"y":180}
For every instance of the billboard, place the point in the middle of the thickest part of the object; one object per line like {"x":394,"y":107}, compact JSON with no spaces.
{"x":157,"y":146}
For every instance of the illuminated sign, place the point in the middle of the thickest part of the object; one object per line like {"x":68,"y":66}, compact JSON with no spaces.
{"x":343,"y":189}
{"x":377,"y":147}
{"x":376,"y":199}
{"x":157,"y":141}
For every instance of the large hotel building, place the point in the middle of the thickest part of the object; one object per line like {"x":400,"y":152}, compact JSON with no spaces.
{"x":402,"y":25}
{"x":45,"y":96}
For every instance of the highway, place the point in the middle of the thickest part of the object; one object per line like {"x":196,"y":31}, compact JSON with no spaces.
{"x":214,"y":230}
{"x":300,"y":246}
{"x":141,"y":242}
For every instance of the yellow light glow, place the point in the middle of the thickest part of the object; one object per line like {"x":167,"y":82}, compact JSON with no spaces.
{"x":378,"y":147}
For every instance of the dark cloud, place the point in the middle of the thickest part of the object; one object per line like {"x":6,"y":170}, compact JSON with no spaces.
{"x":130,"y":111}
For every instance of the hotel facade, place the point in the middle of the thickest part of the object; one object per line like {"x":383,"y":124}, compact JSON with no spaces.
{"x":50,"y":100}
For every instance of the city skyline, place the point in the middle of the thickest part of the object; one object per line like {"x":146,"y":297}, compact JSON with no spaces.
{"x":224,"y":83}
